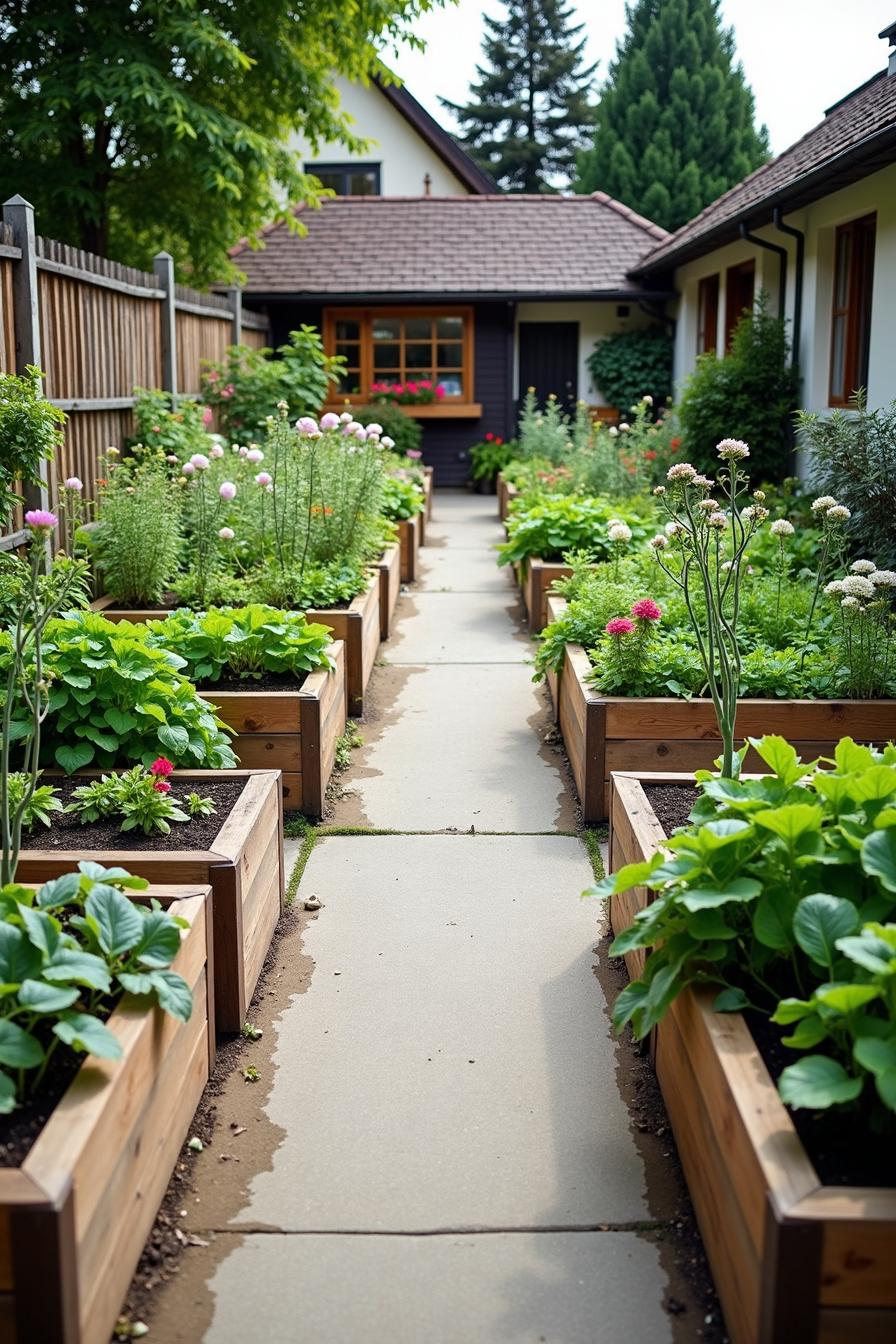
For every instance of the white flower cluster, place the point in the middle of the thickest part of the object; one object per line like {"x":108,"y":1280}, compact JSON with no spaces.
{"x":618,"y":531}
{"x":733,"y":450}
{"x":823,"y":503}
{"x":833,"y":512}
{"x":781,"y":528}
{"x":659,"y":542}
{"x":682,"y":471}
{"x":863,"y":567}
{"x":856,"y":585}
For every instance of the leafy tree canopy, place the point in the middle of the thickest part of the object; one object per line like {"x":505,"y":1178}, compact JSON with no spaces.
{"x":529,"y":112}
{"x":135,"y":125}
{"x":675,"y":121}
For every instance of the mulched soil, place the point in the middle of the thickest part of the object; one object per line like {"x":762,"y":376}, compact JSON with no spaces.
{"x":68,"y":832}
{"x":268,"y":681}
{"x":672,"y":803}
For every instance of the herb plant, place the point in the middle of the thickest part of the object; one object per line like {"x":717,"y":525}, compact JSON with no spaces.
{"x":141,"y":797}
{"x":35,"y":802}
{"x":489,"y":456}
{"x":138,"y":535}
{"x":243,"y":642}
{"x":782,"y":895}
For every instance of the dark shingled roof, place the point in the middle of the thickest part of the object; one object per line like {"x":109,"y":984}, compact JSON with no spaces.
{"x":856,"y":138}
{"x":470,"y":246}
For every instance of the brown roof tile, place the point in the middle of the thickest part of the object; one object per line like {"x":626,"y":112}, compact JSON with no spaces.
{"x":457,"y":245}
{"x":857,"y":136}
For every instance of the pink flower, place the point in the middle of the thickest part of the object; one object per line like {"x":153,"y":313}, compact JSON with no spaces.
{"x":228,"y":391}
{"x":161,"y":766}
{"x":330,"y":420}
{"x":216,"y":450}
{"x":199,"y":461}
{"x":440,"y":391}
{"x":252,"y":454}
{"x":208,"y":416}
{"x":361,"y":433}
{"x":412,"y":388}
{"x":263,"y":478}
{"x":306,"y":425}
{"x":157,"y":429}
{"x":226,"y":534}
{"x":620,"y":625}
{"x":161,"y":786}
{"x":227,"y":489}
{"x":188,"y":469}
{"x":646,"y":610}
{"x":213,"y":376}
{"x":41,"y":520}
{"x":413,"y":452}
{"x":74,"y":483}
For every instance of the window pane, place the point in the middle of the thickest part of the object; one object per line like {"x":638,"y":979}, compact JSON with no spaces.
{"x":838,"y":359}
{"x":334,"y":180}
{"x":348,"y":330}
{"x":386,"y":328}
{"x":451,"y":356}
{"x":418,"y":328}
{"x":362,"y":184}
{"x":418,"y":356}
{"x":450,"y":328}
{"x":387,"y":356}
{"x":349,"y":383}
{"x":451,"y":382}
{"x":350,"y":353}
{"x":841,"y":283}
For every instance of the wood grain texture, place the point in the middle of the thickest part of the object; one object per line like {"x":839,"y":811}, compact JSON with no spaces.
{"x":389,"y":568}
{"x":358,"y":626}
{"x":409,"y":541}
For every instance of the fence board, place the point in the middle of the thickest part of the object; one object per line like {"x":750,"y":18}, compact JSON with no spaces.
{"x":7,"y":330}
{"x":198,"y":338}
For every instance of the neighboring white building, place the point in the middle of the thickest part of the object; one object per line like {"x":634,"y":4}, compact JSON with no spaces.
{"x":409,"y":153}
{"x":816,"y":230}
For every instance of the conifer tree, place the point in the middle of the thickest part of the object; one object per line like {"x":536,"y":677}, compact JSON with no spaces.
{"x":529,"y":113}
{"x":675,"y":121}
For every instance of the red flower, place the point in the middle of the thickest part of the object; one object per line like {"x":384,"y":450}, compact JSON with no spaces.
{"x":650,"y":455}
{"x":161,"y":766}
{"x":489,"y":437}
{"x":161,"y":786}
{"x":498,"y":439}
{"x":646,"y":610}
{"x":675,"y":444}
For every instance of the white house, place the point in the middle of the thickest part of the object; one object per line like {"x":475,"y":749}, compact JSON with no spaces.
{"x":816,"y":230}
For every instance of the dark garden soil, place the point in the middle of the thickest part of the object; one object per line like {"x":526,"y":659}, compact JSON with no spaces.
{"x":20,"y":1131}
{"x":841,"y":1144}
{"x":268,"y":681}
{"x":68,"y":832}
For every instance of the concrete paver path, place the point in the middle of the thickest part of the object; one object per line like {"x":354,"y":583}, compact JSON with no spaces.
{"x":450,"y":1159}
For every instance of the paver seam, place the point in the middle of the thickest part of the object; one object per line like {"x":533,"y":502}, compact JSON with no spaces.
{"x":474,"y":1230}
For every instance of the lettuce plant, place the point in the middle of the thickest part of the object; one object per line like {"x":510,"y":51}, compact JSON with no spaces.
{"x":782,"y":895}
{"x":402,"y":498}
{"x":243,"y":642}
{"x":561,"y":523}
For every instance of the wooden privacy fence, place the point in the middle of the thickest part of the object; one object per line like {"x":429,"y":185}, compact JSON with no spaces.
{"x":98,"y":330}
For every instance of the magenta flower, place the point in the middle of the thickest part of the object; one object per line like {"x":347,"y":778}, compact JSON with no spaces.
{"x":646,"y":610}
{"x":620,"y":625}
{"x":227,"y":489}
{"x":228,"y":391}
{"x":413,"y":452}
{"x":41,"y":520}
{"x":208,"y":416}
{"x":188,"y":469}
{"x":252,"y":454}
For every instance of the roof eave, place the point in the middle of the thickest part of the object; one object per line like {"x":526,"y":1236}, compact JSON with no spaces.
{"x":619,"y":295}
{"x":439,"y":140}
{"x":842,"y":171}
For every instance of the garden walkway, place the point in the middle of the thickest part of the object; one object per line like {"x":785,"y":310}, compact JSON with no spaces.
{"x":439,"y":1151}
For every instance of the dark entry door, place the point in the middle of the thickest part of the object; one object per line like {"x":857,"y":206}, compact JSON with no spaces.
{"x":549,"y":360}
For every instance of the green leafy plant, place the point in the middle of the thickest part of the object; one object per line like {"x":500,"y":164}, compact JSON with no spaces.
{"x":138,"y":534}
{"x":112,"y":696}
{"x":64,"y":582}
{"x":781,"y":894}
{"x":68,"y":953}
{"x":754,"y":387}
{"x":242,"y":642}
{"x":543,"y":433}
{"x":628,"y":365}
{"x":401,"y":498}
{"x":559,"y":523}
{"x":30,"y":433}
{"x":141,"y":797}
{"x":314,"y":586}
{"x":35,"y":802}
{"x":174,"y":429}
{"x":245,"y":387}
{"x":490,"y":455}
{"x":401,"y":432}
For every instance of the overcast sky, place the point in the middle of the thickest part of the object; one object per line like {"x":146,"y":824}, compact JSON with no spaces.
{"x":799,"y":55}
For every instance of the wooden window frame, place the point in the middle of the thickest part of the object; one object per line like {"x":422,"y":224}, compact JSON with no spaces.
{"x":708,"y":333}
{"x":857,"y":309}
{"x":449,"y":405}
{"x":732,"y":316}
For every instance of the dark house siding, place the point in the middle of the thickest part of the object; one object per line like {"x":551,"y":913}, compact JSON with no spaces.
{"x":445,"y":442}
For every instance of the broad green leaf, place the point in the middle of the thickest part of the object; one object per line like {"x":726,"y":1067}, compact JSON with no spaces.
{"x":704,"y":898}
{"x":849,"y":756}
{"x":874,"y":1054}
{"x":790,"y":821}
{"x":879,"y":856}
{"x":773,"y":920}
{"x":810,"y":1031}
{"x":159,"y":941}
{"x":868,"y":952}
{"x":119,"y":721}
{"x":791,"y":1010}
{"x":816,"y":1083}
{"x":885,"y":1082}
{"x":74,"y":758}
{"x":707,"y":924}
{"x":173,"y":993}
{"x":846,"y":998}
{"x":19,"y":959}
{"x":152,"y":711}
{"x":71,"y":967}
{"x":886,"y":817}
{"x":731,"y":1001}
{"x":39,"y":997}
{"x":819,"y":920}
{"x":723,"y":832}
{"x":874,"y":785}
{"x":7,"y":1094}
{"x":42,"y":930}
{"x":835,"y":788}
{"x":136,"y":983}
{"x":119,"y":922}
{"x":780,"y":757}
{"x":629,"y":1001}
{"x":175,"y":738}
{"x":18,"y":1050}
{"x":84,"y":1032}
{"x":60,"y":891}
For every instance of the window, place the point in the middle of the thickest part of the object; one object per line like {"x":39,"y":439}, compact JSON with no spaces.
{"x":400,"y":345}
{"x":348,"y":179}
{"x":851,"y":314}
{"x":740,"y":282}
{"x":708,"y":315}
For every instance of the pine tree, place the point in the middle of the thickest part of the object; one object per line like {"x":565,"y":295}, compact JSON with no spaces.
{"x":529,"y":114}
{"x":675,"y":121}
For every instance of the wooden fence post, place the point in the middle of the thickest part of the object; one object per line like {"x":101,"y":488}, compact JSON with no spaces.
{"x":163,"y":266}
{"x":235,"y":298}
{"x":19,"y":215}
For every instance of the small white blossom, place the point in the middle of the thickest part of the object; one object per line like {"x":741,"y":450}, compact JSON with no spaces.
{"x":856,"y":585}
{"x":708,"y":505}
{"x":659,"y":542}
{"x":759,"y":496}
{"x":823,"y":503}
{"x":226,"y":534}
{"x":850,"y":602}
{"x":647,"y":400}
{"x":863,"y":567}
{"x":659,"y":489}
{"x":614,"y":432}
{"x":703,"y":481}
{"x":838,"y":514}
{"x":883,"y":578}
{"x":674,"y":529}
{"x":717,"y":520}
{"x":387,"y":442}
{"x":682,"y":471}
{"x":833,"y":588}
{"x":345,"y":417}
{"x":781,"y":528}
{"x":619,"y":531}
{"x":728,"y":564}
{"x":733,"y":450}
{"x":624,"y":429}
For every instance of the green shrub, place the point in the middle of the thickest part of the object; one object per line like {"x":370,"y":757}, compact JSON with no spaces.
{"x":751,"y":393}
{"x":137,"y":538}
{"x":401,"y":499}
{"x":66,"y":579}
{"x":247,"y":384}
{"x":490,"y":456}
{"x":179,"y":430}
{"x":30,"y":433}
{"x":629,"y":365}
{"x":560,"y":523}
{"x":243,"y":642}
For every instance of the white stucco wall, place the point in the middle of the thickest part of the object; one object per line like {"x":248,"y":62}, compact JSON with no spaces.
{"x":819,"y":222}
{"x":404,"y":157}
{"x":596,"y":320}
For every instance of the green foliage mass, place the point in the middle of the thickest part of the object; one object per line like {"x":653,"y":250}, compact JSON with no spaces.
{"x":782,"y":895}
{"x":675,"y":120}
{"x":529,"y":111}
{"x":115,"y":698}
{"x":66,"y":581}
{"x":242,"y":642}
{"x":401,"y":498}
{"x":161,"y":427}
{"x":490,"y":456}
{"x":30,"y":433}
{"x":752,"y":391}
{"x":245,"y":387}
{"x":135,"y":127}
{"x":560,"y":523}
{"x":138,"y":536}
{"x":629,"y":365}
{"x":404,"y":431}
{"x":68,"y":952}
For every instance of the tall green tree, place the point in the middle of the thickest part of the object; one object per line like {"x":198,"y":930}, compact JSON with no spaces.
{"x":675,"y":121}
{"x":529,"y":112}
{"x":134,"y":125}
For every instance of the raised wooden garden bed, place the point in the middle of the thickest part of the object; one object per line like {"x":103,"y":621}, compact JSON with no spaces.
{"x":409,"y":539}
{"x":389,"y":568}
{"x":358,"y":626}
{"x":794,"y":1261}
{"x":540,"y":576}
{"x":294,"y":732}
{"x":429,"y":475}
{"x":603,"y":733}
{"x":506,"y":495}
{"x":75,"y":1215}
{"x":243,"y":866}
